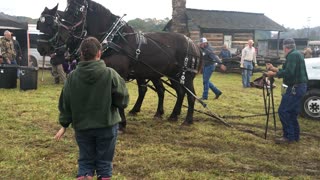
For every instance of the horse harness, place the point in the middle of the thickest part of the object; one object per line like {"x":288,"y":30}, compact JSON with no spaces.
{"x":107,"y":41}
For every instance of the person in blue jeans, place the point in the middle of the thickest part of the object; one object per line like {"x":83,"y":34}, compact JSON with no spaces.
{"x":248,"y":58}
{"x":225,"y":53}
{"x":210,"y":61}
{"x":89,"y":101}
{"x":295,"y":76}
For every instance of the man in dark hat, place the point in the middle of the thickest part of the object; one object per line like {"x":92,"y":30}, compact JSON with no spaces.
{"x":295,"y":78}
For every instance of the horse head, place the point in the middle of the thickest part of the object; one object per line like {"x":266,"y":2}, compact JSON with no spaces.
{"x":48,"y":25}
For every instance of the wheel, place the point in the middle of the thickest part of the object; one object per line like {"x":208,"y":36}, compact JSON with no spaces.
{"x":33,"y":62}
{"x":311,"y":104}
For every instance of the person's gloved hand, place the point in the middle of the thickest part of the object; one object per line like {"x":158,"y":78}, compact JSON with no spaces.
{"x":241,"y":65}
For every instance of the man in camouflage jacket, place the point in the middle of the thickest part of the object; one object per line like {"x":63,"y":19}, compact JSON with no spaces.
{"x":7,"y":48}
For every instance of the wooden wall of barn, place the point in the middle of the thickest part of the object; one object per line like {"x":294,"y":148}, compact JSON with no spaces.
{"x":216,"y":39}
{"x":239,"y":40}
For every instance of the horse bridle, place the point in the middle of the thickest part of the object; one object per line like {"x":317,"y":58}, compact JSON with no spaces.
{"x":72,"y":28}
{"x":43,"y":18}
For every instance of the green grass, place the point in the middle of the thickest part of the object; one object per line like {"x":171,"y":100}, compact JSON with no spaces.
{"x":158,"y":149}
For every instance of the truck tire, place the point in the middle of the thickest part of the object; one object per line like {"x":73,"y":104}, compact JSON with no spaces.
{"x":311,"y":104}
{"x":33,"y":62}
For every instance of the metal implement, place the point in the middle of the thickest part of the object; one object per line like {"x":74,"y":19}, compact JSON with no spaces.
{"x":43,"y":60}
{"x":269,"y":103}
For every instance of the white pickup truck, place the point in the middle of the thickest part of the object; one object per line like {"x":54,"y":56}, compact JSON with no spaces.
{"x":311,"y":100}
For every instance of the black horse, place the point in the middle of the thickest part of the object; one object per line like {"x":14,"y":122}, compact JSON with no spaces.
{"x":48,"y":25}
{"x":133,"y":55}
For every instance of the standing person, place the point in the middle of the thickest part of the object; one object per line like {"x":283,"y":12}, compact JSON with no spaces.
{"x":295,"y":77}
{"x":7,"y":48}
{"x":17,"y":49}
{"x":307,"y":52}
{"x":210,"y":60}
{"x":225,"y":53}
{"x":316,"y":52}
{"x":90,"y":100}
{"x":57,"y":60}
{"x":248,"y":60}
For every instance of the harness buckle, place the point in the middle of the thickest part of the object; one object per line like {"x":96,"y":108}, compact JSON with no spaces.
{"x":138,"y":51}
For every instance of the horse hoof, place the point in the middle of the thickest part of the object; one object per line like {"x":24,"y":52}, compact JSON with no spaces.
{"x":171,"y":119}
{"x":157,"y":117}
{"x":187,"y":123}
{"x":121,"y":130}
{"x":132,"y":113}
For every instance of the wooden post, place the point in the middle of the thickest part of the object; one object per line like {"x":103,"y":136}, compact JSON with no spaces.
{"x":278,"y":43}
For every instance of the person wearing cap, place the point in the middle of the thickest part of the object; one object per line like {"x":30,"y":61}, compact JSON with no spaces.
{"x":248,"y":60}
{"x":89,"y":101}
{"x":210,"y":61}
{"x":295,"y":76}
{"x":7,"y":48}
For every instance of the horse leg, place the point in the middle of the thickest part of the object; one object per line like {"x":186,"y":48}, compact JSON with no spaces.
{"x":177,"y":107}
{"x":142,"y":89}
{"x":160,"y":91}
{"x":191,"y":102}
{"x":123,"y":122}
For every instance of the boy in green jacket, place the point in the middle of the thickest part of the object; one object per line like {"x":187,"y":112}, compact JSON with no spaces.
{"x":89,"y":101}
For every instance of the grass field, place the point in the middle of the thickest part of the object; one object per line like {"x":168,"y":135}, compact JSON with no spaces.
{"x":158,"y":149}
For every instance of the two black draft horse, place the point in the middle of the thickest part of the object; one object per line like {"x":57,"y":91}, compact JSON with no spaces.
{"x":133,"y":55}
{"x":48,"y":25}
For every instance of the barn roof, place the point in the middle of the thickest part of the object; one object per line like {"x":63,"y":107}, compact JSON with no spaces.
{"x":213,"y":19}
{"x":11,"y":22}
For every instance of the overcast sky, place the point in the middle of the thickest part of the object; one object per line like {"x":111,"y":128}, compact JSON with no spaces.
{"x":288,"y":13}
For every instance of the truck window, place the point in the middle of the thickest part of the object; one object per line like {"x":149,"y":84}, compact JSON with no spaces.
{"x":33,"y":40}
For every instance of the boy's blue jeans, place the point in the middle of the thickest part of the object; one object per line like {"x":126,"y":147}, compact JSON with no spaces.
{"x":96,"y":151}
{"x":289,"y":110}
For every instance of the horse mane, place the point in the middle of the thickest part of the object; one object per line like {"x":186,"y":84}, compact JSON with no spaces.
{"x":96,"y":7}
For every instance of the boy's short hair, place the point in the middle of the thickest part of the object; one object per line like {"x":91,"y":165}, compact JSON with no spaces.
{"x":89,"y":48}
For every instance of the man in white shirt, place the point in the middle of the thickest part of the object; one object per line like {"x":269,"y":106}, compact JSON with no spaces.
{"x":248,"y":58}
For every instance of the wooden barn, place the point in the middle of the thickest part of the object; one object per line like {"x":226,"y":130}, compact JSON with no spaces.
{"x":226,"y":27}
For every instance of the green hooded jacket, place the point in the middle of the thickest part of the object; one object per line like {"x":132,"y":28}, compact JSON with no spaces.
{"x":91,"y":97}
